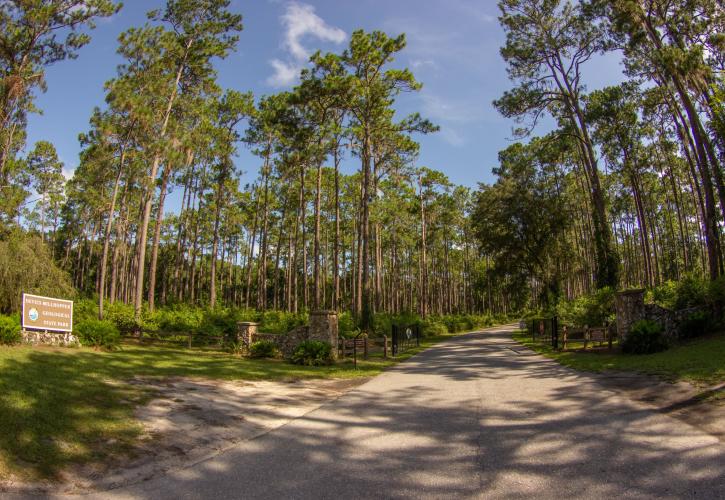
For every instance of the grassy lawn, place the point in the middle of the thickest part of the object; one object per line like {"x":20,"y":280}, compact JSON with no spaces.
{"x":65,"y":406}
{"x":701,"y":361}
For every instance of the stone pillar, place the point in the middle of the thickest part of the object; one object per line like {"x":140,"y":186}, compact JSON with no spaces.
{"x":246,"y":332}
{"x":324,"y":327}
{"x":630,"y":309}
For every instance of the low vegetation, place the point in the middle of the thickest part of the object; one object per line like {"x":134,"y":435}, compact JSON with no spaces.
{"x":221,"y":322}
{"x":312,"y":353}
{"x":9,"y":330}
{"x":698,"y":361}
{"x":263,"y":349}
{"x":645,"y":337}
{"x":98,"y":333}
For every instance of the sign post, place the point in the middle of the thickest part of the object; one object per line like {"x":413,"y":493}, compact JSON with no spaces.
{"x":46,"y":313}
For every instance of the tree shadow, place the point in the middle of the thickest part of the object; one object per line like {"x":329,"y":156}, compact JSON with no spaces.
{"x":60,"y":407}
{"x":492,"y":425}
{"x":54,"y":413}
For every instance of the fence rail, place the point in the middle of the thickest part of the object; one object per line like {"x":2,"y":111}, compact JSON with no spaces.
{"x":548,"y":331}
{"x":181,"y":339}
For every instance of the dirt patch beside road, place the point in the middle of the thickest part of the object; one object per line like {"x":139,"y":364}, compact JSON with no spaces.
{"x":190,"y":420}
{"x":700,"y":407}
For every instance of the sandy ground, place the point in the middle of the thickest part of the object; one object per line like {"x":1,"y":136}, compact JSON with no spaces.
{"x":190,"y":420}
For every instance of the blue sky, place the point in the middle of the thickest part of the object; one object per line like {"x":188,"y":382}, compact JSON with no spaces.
{"x":453,"y":49}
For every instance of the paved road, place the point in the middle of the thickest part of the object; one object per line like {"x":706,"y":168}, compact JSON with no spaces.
{"x":477,"y":416}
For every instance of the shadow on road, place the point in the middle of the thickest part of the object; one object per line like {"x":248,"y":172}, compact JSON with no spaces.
{"x":469,"y":418}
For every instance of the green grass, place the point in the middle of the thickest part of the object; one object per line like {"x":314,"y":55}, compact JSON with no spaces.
{"x":701,"y":361}
{"x":74,"y":406}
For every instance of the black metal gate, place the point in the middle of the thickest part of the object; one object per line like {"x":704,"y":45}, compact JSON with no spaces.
{"x":405,"y":337}
{"x":545,"y":330}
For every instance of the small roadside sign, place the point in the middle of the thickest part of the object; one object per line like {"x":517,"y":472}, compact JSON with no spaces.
{"x":47,"y":313}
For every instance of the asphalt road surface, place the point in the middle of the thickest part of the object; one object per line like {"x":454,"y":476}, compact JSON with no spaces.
{"x":477,"y":416}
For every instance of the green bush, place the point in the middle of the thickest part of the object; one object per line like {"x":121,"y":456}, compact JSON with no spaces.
{"x":9,"y":330}
{"x":312,"y":353}
{"x":85,"y":309}
{"x":178,"y":318}
{"x":457,"y":323}
{"x":99,"y":334}
{"x":645,"y":337}
{"x":691,"y":292}
{"x":122,"y":315}
{"x":281,"y":321}
{"x":696,"y":324}
{"x":263,"y":349}
{"x":500,"y":319}
{"x":433,"y":329}
{"x":664,"y":295}
{"x":347,"y":326}
{"x":383,"y":322}
{"x":592,"y":310}
{"x":234,"y":347}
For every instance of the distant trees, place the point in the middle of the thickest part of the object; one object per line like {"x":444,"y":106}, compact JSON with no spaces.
{"x":303,"y":234}
{"x":626,"y":190}
{"x":522,"y":219}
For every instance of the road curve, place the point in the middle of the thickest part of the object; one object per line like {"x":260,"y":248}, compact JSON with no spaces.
{"x":475,"y":417}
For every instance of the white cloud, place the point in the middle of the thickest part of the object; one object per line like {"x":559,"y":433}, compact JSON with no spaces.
{"x":423,"y":63}
{"x":459,"y":111}
{"x":284,"y":73}
{"x":452,"y":136}
{"x":68,"y":172}
{"x":300,"y":21}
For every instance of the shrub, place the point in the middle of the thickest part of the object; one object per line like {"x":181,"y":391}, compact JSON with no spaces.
{"x":592,"y":310}
{"x":346,"y":325}
{"x":234,"y":347}
{"x":122,"y":315}
{"x":691,"y":292}
{"x":9,"y":330}
{"x":98,"y":334}
{"x":457,"y":323}
{"x":85,"y":309}
{"x":500,"y":319}
{"x":664,"y":295}
{"x":312,"y":353}
{"x":433,"y":329}
{"x":178,"y":318}
{"x":383,"y":322}
{"x":263,"y":349}
{"x":281,"y":321}
{"x":645,"y":337}
{"x":696,"y":324}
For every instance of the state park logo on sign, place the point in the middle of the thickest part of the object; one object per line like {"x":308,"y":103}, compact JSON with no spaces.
{"x":46,"y":313}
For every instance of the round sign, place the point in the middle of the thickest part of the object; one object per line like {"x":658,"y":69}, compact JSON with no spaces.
{"x":408,"y":333}
{"x":33,"y":314}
